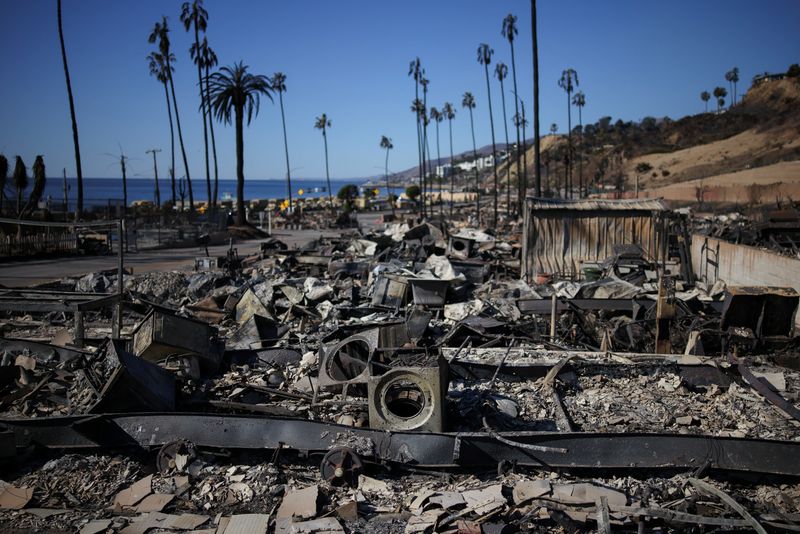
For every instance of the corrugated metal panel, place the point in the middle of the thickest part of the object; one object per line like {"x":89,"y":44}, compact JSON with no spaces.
{"x":599,"y":204}
{"x":556,"y":242}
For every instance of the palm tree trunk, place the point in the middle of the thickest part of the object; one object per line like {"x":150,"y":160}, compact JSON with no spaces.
{"x":286,"y":148}
{"x":241,"y":218}
{"x":536,"y":148}
{"x":438,"y":164}
{"x":580,"y":153}
{"x":213,"y":141}
{"x":180,"y":138}
{"x":452,"y":169}
{"x":569,"y":144}
{"x":78,"y":168}
{"x":475,"y":159}
{"x":505,"y":127}
{"x":327,"y":172}
{"x":388,"y":189}
{"x":426,"y":153}
{"x":427,"y":181}
{"x":172,"y":145}
{"x":520,"y":185}
{"x":494,"y":146}
{"x":524,"y":154}
{"x":202,"y":109}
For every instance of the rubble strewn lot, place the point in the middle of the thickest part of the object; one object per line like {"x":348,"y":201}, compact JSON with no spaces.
{"x":399,"y":380}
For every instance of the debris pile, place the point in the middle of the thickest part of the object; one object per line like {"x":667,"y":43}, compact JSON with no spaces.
{"x":405,"y":379}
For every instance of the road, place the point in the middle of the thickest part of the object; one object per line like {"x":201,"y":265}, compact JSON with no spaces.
{"x":37,"y":271}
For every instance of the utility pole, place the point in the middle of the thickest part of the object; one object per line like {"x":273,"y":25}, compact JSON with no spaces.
{"x":154,"y":151}
{"x":66,"y":197}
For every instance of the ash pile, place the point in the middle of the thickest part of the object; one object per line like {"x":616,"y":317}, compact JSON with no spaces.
{"x":416,"y":378}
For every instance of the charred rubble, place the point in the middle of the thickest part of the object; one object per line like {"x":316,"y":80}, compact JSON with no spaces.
{"x":409,"y":379}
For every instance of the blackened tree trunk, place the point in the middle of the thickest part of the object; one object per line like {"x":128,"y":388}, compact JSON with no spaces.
{"x":241,"y":218}
{"x":536,"y":148}
{"x":75,"y":142}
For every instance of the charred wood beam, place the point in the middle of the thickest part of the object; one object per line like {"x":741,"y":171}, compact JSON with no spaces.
{"x":579,"y":450}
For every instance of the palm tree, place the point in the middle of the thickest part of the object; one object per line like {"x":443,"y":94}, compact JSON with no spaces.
{"x":732,"y":77}
{"x":568,"y":82}
{"x":386,"y":143}
{"x":278,"y":82}
{"x":418,"y":108}
{"x":194,"y":15}
{"x":468,"y":101}
{"x":39,"y":182}
{"x":720,"y":93}
{"x":536,"y":148}
{"x":415,"y":69}
{"x":437,"y":117}
{"x":705,"y":97}
{"x":501,"y":72}
{"x":3,"y":179}
{"x":323,"y":123}
{"x":234,"y":93}
{"x":78,"y":168}
{"x":426,"y":168}
{"x":579,"y":100}
{"x":553,"y":129}
{"x":522,"y":124}
{"x":485,"y":59}
{"x":158,"y":68}
{"x":160,"y":33}
{"x":510,"y":31}
{"x":20,"y":181}
{"x":449,"y":113}
{"x":209,"y":60}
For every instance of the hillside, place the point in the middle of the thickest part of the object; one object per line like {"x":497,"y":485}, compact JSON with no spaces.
{"x":761,"y":132}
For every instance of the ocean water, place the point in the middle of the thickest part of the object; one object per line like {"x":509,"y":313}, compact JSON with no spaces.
{"x":101,"y":191}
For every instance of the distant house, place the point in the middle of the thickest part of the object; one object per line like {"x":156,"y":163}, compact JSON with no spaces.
{"x":483,"y":162}
{"x":443,"y":171}
{"x":758,"y":79}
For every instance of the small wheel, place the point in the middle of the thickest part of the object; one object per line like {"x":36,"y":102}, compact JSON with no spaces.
{"x":340,"y":466}
{"x":175,"y":455}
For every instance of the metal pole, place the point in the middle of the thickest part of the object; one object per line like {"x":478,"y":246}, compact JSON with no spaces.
{"x":117,"y":327}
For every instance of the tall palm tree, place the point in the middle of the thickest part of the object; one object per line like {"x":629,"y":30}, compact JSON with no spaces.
{"x":510,"y":31}
{"x":386,"y":144}
{"x":209,"y":59}
{"x":536,"y":148}
{"x":3,"y":179}
{"x":426,"y":153}
{"x":705,"y":97}
{"x":579,"y":100}
{"x":20,"y":181}
{"x":468,"y":101}
{"x":501,"y":72}
{"x":76,"y":144}
{"x":39,"y":182}
{"x":418,"y":73}
{"x":234,"y":93}
{"x":732,"y":76}
{"x":437,"y":117}
{"x":160,"y":33}
{"x":568,"y":82}
{"x":449,"y":113}
{"x":194,"y":15}
{"x":323,"y":123}
{"x":278,"y":82}
{"x":158,"y":68}
{"x":485,"y":59}
{"x":720,"y":93}
{"x":418,"y":108}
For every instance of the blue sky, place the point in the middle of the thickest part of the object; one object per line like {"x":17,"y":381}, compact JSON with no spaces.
{"x":350,"y":59}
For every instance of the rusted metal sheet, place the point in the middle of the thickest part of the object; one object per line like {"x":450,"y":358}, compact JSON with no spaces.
{"x":559,"y":235}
